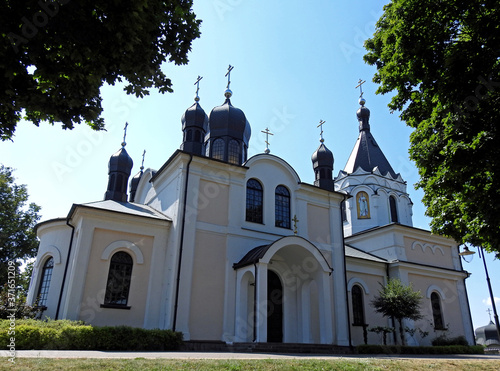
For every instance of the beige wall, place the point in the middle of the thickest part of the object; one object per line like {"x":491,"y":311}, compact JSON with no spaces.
{"x":424,"y":252}
{"x":213,"y":203}
{"x":372,"y":318}
{"x":207,"y":292}
{"x":450,"y":305}
{"x":318,"y":223}
{"x":97,"y":275}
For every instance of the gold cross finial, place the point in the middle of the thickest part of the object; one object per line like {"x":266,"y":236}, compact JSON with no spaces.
{"x":489,"y":313}
{"x":360,"y":86}
{"x":228,"y":74}
{"x":295,"y":221}
{"x":143,"y":155}
{"x":267,"y":132}
{"x":124,"y":135}
{"x":197,"y":83}
{"x":321,"y":122}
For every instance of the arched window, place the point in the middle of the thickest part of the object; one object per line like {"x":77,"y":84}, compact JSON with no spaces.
{"x":197,"y":136}
{"x":344,"y":212}
{"x":218,"y":149}
{"x":233,"y":152}
{"x":394,"y":209}
{"x":119,"y":277}
{"x":437,"y":314}
{"x":357,"y":306}
{"x":282,"y":207}
{"x":254,"y":201}
{"x":189,"y":135}
{"x":43,"y":288}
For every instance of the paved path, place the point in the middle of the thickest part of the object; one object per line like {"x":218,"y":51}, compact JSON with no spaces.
{"x":218,"y":355}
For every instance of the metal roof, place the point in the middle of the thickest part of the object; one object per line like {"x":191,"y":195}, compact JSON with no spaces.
{"x":124,"y":208}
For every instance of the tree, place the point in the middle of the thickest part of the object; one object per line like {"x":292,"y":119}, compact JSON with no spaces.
{"x":441,"y":59}
{"x":17,"y":238}
{"x":56,"y":54}
{"x":398,"y":301}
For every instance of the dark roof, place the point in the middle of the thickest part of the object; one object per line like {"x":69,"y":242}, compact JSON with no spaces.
{"x":253,"y":256}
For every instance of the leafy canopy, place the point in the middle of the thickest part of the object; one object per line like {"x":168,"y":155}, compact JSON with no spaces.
{"x":442,"y":61}
{"x":17,"y":238}
{"x":56,"y":54}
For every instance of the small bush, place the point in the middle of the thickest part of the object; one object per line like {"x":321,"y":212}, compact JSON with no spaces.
{"x":443,"y":340}
{"x":398,"y":349}
{"x":75,"y":335}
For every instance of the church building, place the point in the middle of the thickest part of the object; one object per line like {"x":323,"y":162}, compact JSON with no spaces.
{"x":222,"y":247}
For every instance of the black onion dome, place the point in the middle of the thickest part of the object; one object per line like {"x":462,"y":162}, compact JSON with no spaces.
{"x":195,"y":116}
{"x":487,"y":335}
{"x":229,"y":120}
{"x":322,"y":157}
{"x":120,"y":162}
{"x":363,"y":115}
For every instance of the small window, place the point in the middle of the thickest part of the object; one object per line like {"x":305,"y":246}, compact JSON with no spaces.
{"x":197,"y":136}
{"x":218,"y":149}
{"x":189,"y":135}
{"x":437,"y":314}
{"x":43,"y":289}
{"x":119,"y":277}
{"x":343,"y":210}
{"x":394,"y":209}
{"x":254,"y":201}
{"x":357,"y":306}
{"x":234,"y":152}
{"x":282,"y":207}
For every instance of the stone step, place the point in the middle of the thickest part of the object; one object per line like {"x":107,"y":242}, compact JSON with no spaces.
{"x":219,"y":346}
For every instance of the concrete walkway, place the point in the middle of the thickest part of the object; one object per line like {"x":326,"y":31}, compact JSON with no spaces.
{"x":226,"y":355}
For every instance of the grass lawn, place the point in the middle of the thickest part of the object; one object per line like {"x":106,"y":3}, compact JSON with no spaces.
{"x":265,"y":365}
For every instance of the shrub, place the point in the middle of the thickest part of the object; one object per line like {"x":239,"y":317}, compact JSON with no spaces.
{"x":443,"y":340}
{"x":398,"y":349}
{"x":75,"y":335}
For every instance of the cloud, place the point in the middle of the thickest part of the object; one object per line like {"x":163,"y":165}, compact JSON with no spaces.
{"x":488,"y":301}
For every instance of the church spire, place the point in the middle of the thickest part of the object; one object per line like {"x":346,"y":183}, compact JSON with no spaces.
{"x":119,"y":167}
{"x":194,"y":126}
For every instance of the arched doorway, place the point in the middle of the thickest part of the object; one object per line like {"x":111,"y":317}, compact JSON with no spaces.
{"x":274,"y":308}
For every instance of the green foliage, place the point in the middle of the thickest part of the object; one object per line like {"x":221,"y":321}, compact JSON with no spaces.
{"x":397,"y":349}
{"x":382,"y":330}
{"x":443,"y":340}
{"x":398,"y":301}
{"x":55,"y":55}
{"x":13,"y":302}
{"x":441,"y":59}
{"x":17,"y":219}
{"x":75,"y":335}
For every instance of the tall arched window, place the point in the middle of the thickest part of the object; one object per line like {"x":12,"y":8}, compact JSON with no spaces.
{"x":437,"y":314}
{"x":218,"y":149}
{"x":282,"y":207}
{"x":357,"y":306}
{"x":43,"y":288}
{"x":233,"y":152}
{"x":119,"y":277}
{"x":254,"y":201}
{"x":394,"y":209}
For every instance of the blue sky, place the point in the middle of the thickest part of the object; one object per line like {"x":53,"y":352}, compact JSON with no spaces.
{"x":295,"y":63}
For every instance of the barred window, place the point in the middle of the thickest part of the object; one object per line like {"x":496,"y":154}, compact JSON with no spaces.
{"x":43,"y":289}
{"x":357,"y":306}
{"x":254,"y":201}
{"x":282,"y":207}
{"x":437,"y":314}
{"x":119,"y":277}
{"x":233,"y":152}
{"x":218,"y":149}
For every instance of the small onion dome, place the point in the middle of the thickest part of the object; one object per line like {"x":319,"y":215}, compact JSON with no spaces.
{"x":134,"y":183}
{"x":229,"y":120}
{"x":120,"y":162}
{"x":363,"y":114}
{"x":487,"y":335}
{"x":323,"y":157}
{"x":195,"y":116}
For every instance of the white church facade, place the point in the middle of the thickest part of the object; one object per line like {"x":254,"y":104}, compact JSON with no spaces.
{"x":225,"y":248}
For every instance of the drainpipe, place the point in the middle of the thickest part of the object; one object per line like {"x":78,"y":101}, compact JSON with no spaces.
{"x":255,"y":306}
{"x":394,"y":336}
{"x":65,"y":268}
{"x":181,"y":244}
{"x":345,"y":279}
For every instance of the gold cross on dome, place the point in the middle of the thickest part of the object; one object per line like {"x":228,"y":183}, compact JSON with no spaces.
{"x":321,"y":122}
{"x":124,"y":135}
{"x":267,"y":132}
{"x":197,"y":83}
{"x":143,"y":155}
{"x":228,"y":74}
{"x":360,"y":86}
{"x":295,"y":221}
